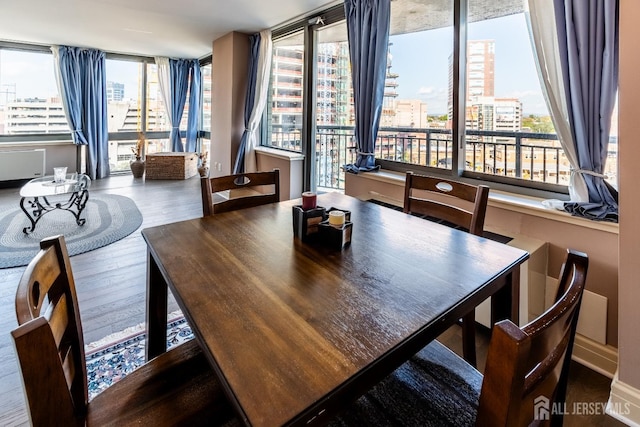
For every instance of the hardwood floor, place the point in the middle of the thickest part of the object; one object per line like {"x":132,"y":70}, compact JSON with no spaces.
{"x":110,"y":281}
{"x":111,"y":290}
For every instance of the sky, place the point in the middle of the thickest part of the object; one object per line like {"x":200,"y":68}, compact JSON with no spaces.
{"x":32,"y":75}
{"x":421,"y":61}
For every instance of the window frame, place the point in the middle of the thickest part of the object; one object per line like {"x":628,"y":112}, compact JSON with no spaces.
{"x":459,"y":131}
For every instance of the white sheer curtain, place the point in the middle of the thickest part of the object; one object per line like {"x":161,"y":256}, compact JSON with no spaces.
{"x":542,"y":27}
{"x":164,"y":81}
{"x":263,"y":75}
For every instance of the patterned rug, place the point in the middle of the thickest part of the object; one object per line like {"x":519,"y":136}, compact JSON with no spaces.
{"x":109,"y":218}
{"x":433,"y":389}
{"x":117,"y":355}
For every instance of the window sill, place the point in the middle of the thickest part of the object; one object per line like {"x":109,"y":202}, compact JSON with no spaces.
{"x":281,"y":154}
{"x":509,"y":201}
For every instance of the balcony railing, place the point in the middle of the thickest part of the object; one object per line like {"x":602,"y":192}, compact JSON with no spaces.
{"x":522,"y":155}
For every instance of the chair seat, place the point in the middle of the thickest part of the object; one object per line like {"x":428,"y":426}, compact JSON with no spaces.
{"x":434,"y":388}
{"x":176,"y":388}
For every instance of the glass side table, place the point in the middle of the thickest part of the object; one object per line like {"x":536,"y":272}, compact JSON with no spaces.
{"x":40,"y":196}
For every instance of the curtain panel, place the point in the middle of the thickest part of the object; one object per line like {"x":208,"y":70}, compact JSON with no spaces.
{"x":259,"y":73}
{"x":368,"y":24}
{"x":176,"y":77}
{"x":578,"y":67}
{"x":193,"y":121}
{"x":81,"y":78}
{"x":249,"y":100}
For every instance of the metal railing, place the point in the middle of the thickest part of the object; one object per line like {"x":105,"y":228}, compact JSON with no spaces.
{"x":522,"y":155}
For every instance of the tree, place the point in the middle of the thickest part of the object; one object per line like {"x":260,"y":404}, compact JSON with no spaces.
{"x":538,"y":124}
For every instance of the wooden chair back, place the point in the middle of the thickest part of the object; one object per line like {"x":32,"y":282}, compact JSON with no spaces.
{"x":245,"y":184}
{"x":527,"y":369}
{"x":49,"y":340}
{"x":175,"y":388}
{"x":473,"y":196}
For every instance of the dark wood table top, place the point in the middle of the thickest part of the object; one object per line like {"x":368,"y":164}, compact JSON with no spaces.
{"x":293,"y":329}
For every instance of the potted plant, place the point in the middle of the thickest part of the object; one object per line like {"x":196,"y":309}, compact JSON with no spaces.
{"x":137,"y":165}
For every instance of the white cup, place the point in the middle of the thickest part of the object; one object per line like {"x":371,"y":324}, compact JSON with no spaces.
{"x":59,"y":174}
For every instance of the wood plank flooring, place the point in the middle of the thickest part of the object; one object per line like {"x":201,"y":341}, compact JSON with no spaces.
{"x":110,"y":281}
{"x":111,"y":290}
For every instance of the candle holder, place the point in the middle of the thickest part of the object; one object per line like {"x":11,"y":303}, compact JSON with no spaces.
{"x":336,"y":236}
{"x":306,"y":222}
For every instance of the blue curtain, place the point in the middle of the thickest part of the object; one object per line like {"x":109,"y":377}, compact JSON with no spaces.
{"x":368,"y":36}
{"x":194,"y":107}
{"x":588,"y":41}
{"x":250,"y":99}
{"x":83,"y":80}
{"x":179,"y":70}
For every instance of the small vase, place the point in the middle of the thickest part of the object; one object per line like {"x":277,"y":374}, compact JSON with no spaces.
{"x":203,"y":169}
{"x":137,"y":167}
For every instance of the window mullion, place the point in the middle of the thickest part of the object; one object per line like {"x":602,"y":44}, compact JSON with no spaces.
{"x":460,"y":8}
{"x":309,"y":79}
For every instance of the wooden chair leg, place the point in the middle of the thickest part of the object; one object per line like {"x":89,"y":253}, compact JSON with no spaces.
{"x":469,"y":338}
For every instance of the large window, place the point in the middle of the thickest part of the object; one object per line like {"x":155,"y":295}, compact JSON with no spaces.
{"x":284,"y":106}
{"x":124,"y":109}
{"x":334,"y":106}
{"x":29,"y":100}
{"x":509,"y":128}
{"x":499,"y":114}
{"x":206,"y":108}
{"x":417,"y":108}
{"x":31,"y":109}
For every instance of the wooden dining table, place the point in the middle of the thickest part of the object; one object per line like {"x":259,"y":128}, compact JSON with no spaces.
{"x":295,"y":330}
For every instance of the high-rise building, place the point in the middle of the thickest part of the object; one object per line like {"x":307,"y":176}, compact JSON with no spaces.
{"x":115,"y":91}
{"x":490,"y":113}
{"x":334,"y":93}
{"x":388,"y":117}
{"x":411,"y":113}
{"x":34,"y":115}
{"x":480,"y":68}
{"x":480,"y":73}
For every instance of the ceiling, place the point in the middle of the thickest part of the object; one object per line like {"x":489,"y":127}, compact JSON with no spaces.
{"x":174,"y":28}
{"x":187,"y":28}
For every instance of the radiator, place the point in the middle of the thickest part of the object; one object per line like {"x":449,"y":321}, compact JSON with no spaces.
{"x":22,"y":164}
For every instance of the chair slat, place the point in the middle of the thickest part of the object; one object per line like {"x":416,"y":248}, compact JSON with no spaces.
{"x":253,"y":182}
{"x":456,"y":202}
{"x":68,"y":366}
{"x":58,"y":317}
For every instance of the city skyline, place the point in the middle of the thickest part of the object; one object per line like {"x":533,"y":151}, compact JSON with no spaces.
{"x":425,"y":76}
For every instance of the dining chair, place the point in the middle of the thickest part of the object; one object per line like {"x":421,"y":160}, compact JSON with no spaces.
{"x":176,"y":388}
{"x":458,"y":204}
{"x":525,"y":375}
{"x":241,"y":191}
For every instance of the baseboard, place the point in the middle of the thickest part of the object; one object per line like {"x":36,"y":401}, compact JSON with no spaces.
{"x":601,"y":358}
{"x":624,"y":403}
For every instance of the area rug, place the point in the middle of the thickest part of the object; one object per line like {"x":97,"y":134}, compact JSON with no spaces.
{"x":109,"y":218}
{"x":407,"y":397}
{"x":117,"y":355}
